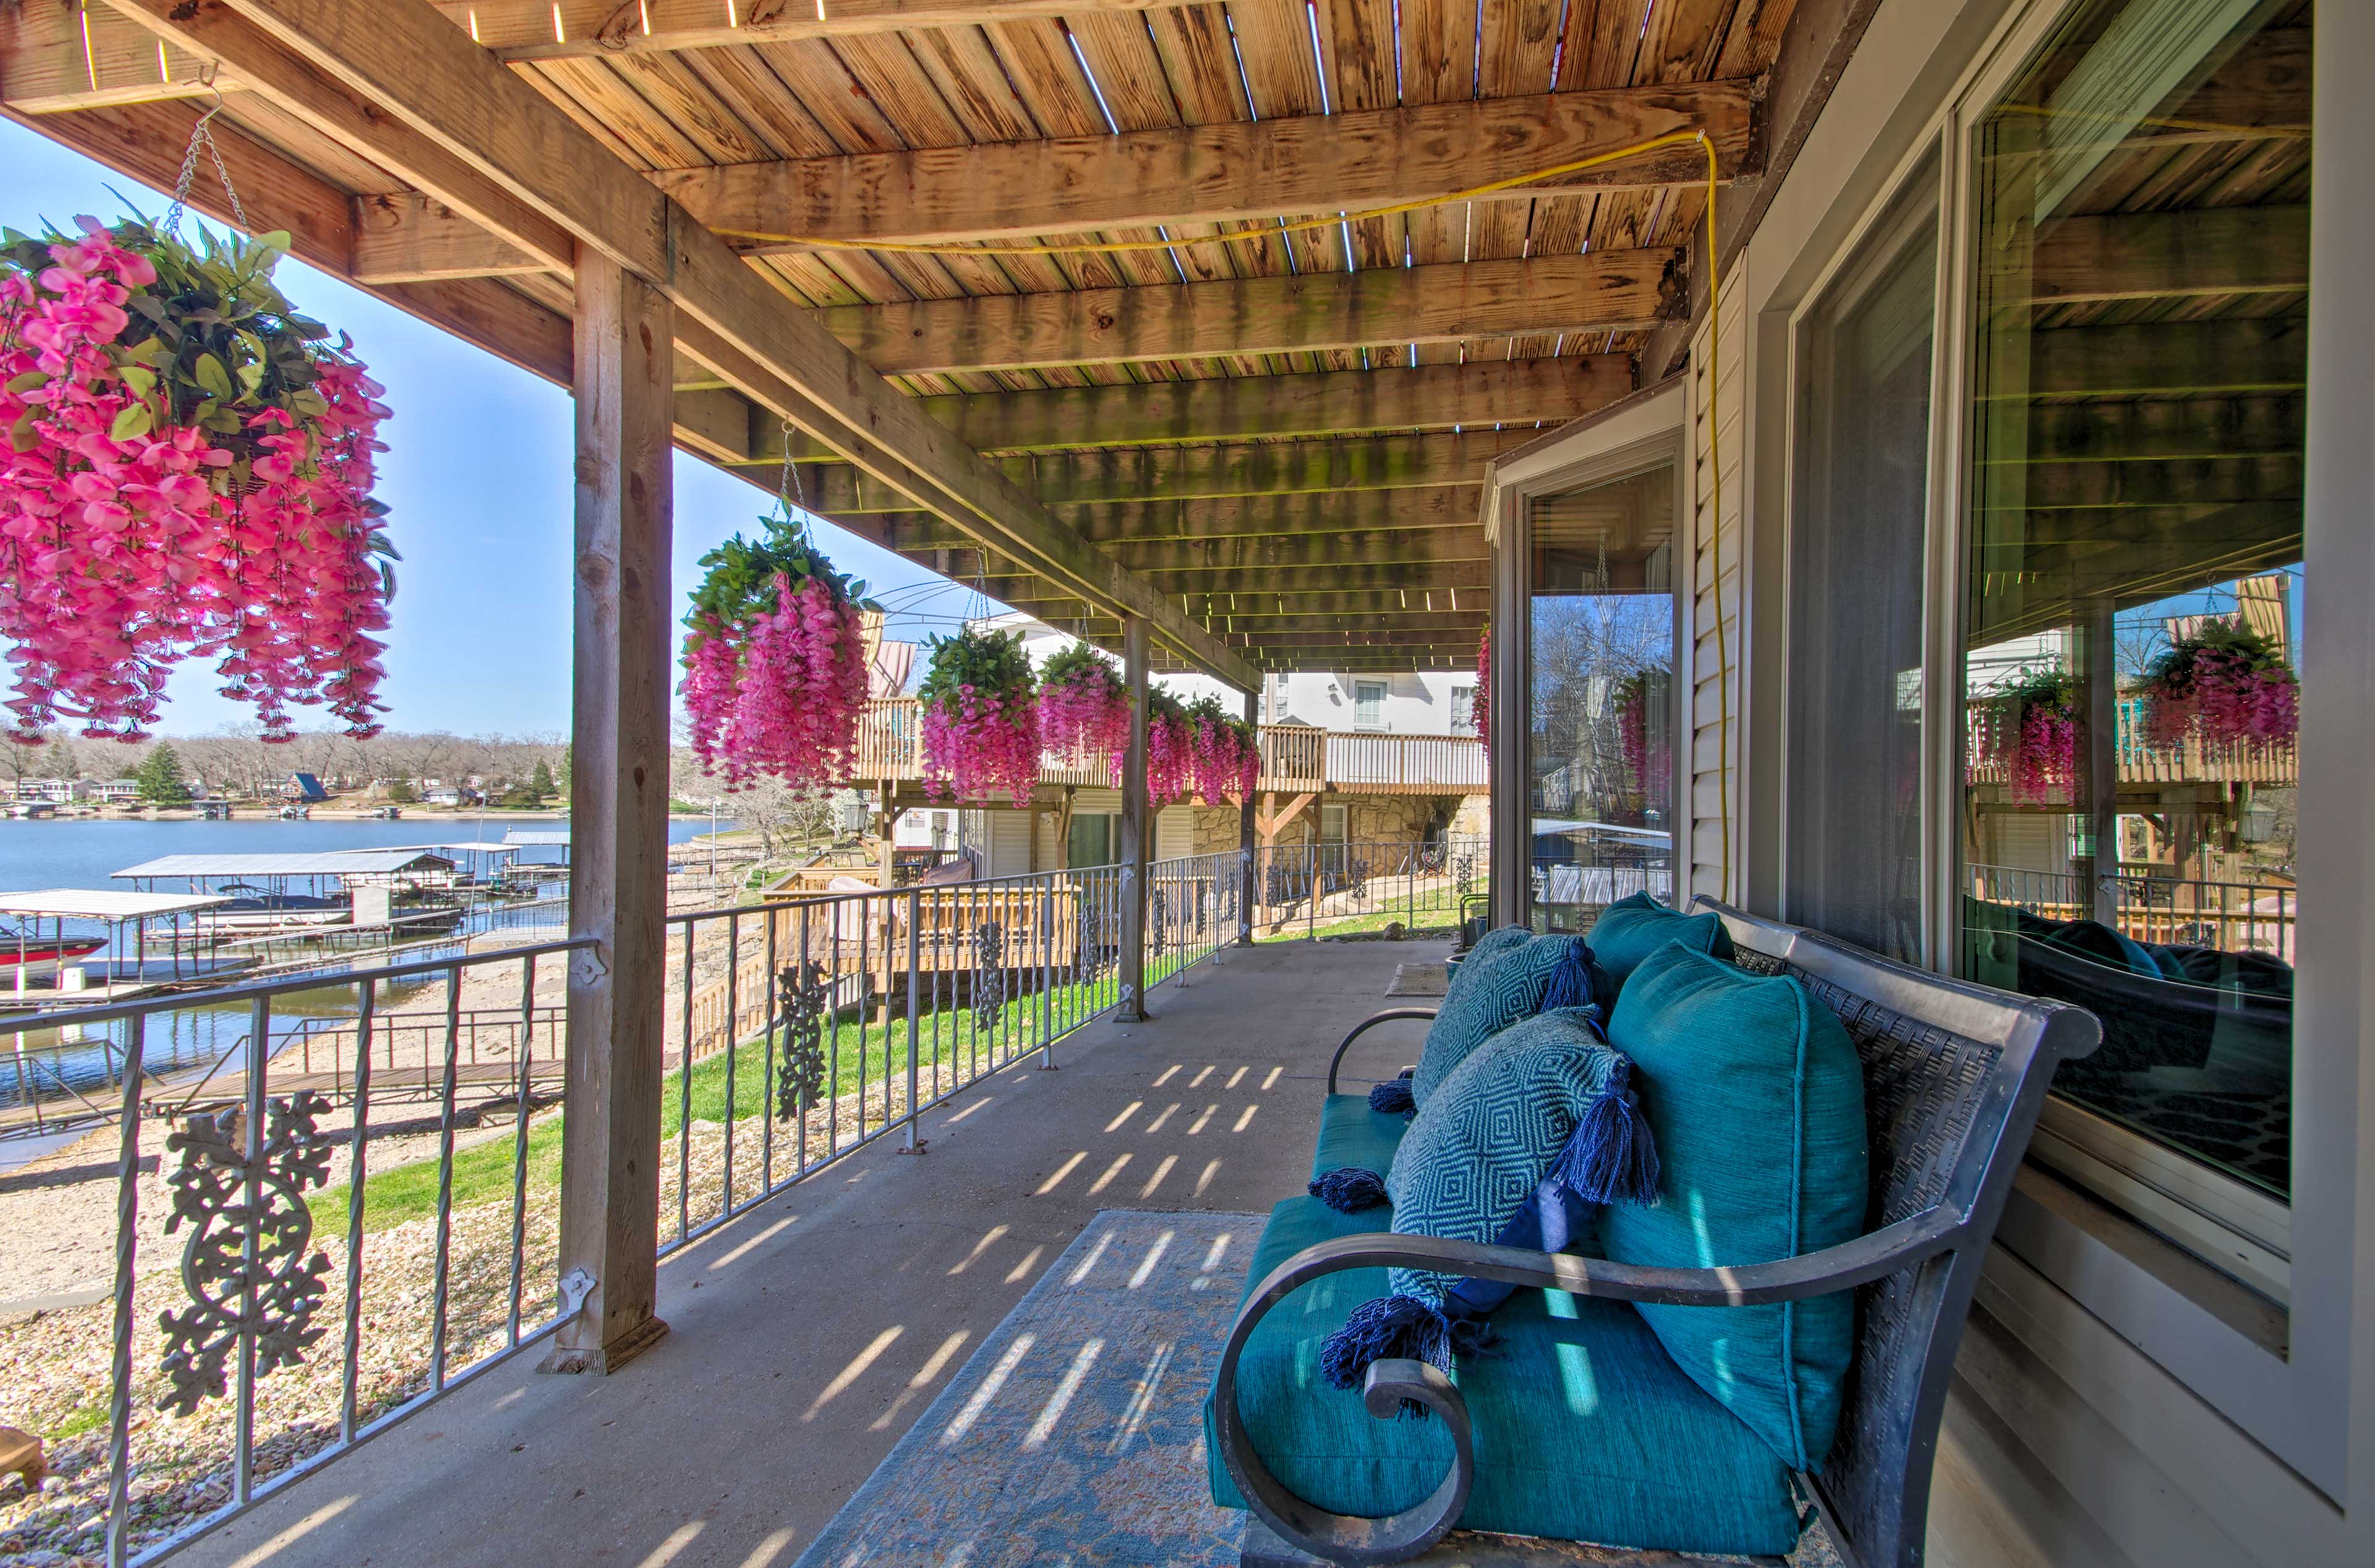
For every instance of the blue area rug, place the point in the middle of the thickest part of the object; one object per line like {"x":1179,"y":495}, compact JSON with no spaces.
{"x":1075,"y":1434}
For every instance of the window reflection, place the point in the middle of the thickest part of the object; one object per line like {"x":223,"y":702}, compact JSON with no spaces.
{"x":2133,"y":570}
{"x":1601,"y":764}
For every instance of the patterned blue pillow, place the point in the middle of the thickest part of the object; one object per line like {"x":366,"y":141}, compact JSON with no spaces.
{"x":1498,"y":986}
{"x":1547,"y":1104}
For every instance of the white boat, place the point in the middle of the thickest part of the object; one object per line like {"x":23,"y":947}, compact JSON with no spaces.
{"x":39,"y":957}
{"x":257,"y":909}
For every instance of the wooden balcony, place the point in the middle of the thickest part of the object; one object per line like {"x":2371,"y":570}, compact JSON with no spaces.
{"x":1296,"y":758}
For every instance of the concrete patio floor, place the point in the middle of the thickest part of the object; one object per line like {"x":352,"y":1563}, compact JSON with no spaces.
{"x":809,"y":1334}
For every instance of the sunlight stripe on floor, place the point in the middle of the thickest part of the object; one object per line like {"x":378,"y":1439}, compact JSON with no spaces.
{"x":1053,"y":1411}
{"x":956,"y":1429}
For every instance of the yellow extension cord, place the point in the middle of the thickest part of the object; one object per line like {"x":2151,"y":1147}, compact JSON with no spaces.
{"x":1576,"y":166}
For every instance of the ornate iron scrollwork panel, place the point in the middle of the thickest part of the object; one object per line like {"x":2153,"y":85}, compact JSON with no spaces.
{"x":988,"y":973}
{"x":803,"y":991}
{"x":276,"y":1296}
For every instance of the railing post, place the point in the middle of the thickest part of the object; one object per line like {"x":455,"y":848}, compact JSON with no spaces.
{"x":915,"y":1006}
{"x":618,"y":883}
{"x":1245,"y":847}
{"x":1134,"y":825}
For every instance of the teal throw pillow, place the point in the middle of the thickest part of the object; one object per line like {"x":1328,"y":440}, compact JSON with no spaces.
{"x":1635,"y":926}
{"x":1512,"y":980}
{"x":1518,"y":1146}
{"x":1755,"y":1096}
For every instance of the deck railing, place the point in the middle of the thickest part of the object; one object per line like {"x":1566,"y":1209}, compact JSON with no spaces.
{"x":317,"y":1290}
{"x":2230,"y":916}
{"x":1294,"y":757}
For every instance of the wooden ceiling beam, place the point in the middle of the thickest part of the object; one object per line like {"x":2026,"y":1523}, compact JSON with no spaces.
{"x":2152,"y":255}
{"x":1227,"y":519}
{"x":56,"y":57}
{"x":434,"y":103}
{"x":2237,"y":355}
{"x":1620,"y":290}
{"x":1134,"y":476}
{"x":1326,"y":403}
{"x":404,"y":237}
{"x":1243,"y":554}
{"x":1314,"y":164}
{"x":564,"y":29}
{"x":1441,"y":577}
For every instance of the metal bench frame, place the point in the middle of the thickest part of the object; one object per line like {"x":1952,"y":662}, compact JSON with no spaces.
{"x":1954,"y":1076}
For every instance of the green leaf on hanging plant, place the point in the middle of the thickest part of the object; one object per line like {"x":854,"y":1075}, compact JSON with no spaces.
{"x":132,"y":420}
{"x":28,"y":381}
{"x":274,"y":240}
{"x":387,"y":582}
{"x":20,"y":434}
{"x":311,"y":404}
{"x":208,"y":372}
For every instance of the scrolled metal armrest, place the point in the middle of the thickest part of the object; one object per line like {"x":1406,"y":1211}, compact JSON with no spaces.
{"x":1388,"y":1016}
{"x":1340,"y":1539}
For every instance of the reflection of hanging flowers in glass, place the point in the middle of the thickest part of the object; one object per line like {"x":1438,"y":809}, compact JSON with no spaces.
{"x":188,"y":470}
{"x":774,"y":660}
{"x":2222,"y":682}
{"x":1645,"y":761}
{"x":981,"y":717}
{"x":1225,"y":757}
{"x":2032,"y":726}
{"x":1480,"y":705}
{"x":1083,"y":706}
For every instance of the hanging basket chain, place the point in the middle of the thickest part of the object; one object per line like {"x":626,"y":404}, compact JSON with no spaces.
{"x":202,"y":135}
{"x":789,"y":494}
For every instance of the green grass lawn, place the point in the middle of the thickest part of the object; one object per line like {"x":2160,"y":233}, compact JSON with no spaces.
{"x":948,"y":1037}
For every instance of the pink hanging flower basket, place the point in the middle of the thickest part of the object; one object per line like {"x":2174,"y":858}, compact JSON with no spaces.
{"x":1170,"y":751}
{"x":981,"y":718}
{"x":1083,"y":706}
{"x":2225,"y":685}
{"x":2031,"y":726}
{"x":776,"y":678}
{"x":188,"y":471}
{"x":1482,"y":703}
{"x":1224,"y":759}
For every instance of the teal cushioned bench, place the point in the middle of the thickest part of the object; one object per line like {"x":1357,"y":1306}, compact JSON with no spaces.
{"x":1585,"y":1428}
{"x":1351,"y":1134}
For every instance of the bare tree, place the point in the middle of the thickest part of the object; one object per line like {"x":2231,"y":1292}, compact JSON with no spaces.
{"x":52,"y":756}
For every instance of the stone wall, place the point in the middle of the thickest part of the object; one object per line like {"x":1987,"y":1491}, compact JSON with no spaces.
{"x":1368,"y":819}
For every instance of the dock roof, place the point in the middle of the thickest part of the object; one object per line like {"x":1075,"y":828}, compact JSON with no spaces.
{"x":534,"y":837}
{"x":335,"y":863}
{"x":104,"y":903}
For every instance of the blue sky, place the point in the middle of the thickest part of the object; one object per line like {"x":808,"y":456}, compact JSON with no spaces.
{"x":478,"y":477}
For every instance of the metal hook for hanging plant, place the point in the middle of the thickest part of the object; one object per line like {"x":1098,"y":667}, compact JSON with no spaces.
{"x":202,"y":135}
{"x":791,"y":499}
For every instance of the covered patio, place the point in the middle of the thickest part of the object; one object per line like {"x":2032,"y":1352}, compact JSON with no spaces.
{"x":1267,"y":335}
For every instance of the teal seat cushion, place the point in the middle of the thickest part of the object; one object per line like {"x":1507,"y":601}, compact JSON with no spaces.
{"x":1351,"y":1134}
{"x":1585,"y":1429}
{"x":1504,"y":979}
{"x":1637,"y":925}
{"x":1755,"y":1095}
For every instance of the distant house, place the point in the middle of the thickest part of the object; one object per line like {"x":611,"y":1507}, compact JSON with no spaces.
{"x":305,"y":787}
{"x":452,"y":794}
{"x":53,"y":792}
{"x":115,"y":792}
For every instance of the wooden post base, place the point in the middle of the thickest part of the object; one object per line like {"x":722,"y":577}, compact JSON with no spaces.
{"x":604,"y":1360}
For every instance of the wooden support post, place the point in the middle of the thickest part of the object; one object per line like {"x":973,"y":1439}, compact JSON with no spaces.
{"x":1510,"y":856}
{"x":619,"y":788}
{"x":1246,"y":888}
{"x":2098,"y":761}
{"x":1134,"y":826}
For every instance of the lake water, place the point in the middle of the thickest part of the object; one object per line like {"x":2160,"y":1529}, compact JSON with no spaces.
{"x":84,"y":854}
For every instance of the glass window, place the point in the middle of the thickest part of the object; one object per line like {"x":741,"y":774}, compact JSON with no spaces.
{"x":1368,"y":704}
{"x":2134,"y":558}
{"x":1463,"y":710}
{"x":1094,"y":838}
{"x":1600,"y":762}
{"x":1856,"y":526}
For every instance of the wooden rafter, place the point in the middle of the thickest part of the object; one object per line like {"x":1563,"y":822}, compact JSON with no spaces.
{"x":561,"y":30}
{"x":1137,"y":475}
{"x":437,"y":105}
{"x":1614,"y":290}
{"x":1514,"y":391}
{"x":1315,"y":164}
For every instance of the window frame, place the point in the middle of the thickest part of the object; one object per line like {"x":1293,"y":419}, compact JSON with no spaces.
{"x":1361,"y":686}
{"x":2288,"y":1388}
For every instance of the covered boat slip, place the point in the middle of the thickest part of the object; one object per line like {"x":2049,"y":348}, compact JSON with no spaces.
{"x":41,"y":968}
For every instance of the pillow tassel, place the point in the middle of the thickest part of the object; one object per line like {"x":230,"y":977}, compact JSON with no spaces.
{"x":1348,"y":1189}
{"x":1389,"y":1329}
{"x":1571,"y":983}
{"x":1611,"y":1157}
{"x":1393,"y":1097}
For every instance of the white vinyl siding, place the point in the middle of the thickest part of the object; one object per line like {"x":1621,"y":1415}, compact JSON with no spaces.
{"x":1715,"y":745}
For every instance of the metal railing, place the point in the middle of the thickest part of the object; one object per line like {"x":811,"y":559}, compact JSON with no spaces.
{"x":305,"y":1295}
{"x":2229,"y":916}
{"x":297,"y":1319}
